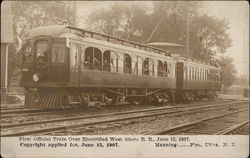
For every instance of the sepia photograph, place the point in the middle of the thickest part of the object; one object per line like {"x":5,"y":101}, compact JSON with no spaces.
{"x":147,"y":71}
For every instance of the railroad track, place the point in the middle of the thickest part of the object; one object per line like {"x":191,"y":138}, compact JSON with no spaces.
{"x":12,"y":107}
{"x":113,"y":118}
{"x":223,"y":124}
{"x":20,"y":122}
{"x":27,"y":114}
{"x":240,"y":129}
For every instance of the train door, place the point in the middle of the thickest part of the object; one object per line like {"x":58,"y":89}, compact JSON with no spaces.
{"x":75,"y":51}
{"x":58,"y":71}
{"x":41,"y":60}
{"x":179,"y":75}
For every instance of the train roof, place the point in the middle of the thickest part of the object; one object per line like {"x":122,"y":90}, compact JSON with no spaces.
{"x":53,"y":31}
{"x":57,"y":30}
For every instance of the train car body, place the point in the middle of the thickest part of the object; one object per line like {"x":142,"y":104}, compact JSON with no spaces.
{"x":66,"y":65}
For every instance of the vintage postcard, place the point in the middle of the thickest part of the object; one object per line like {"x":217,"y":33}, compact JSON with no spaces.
{"x":124,"y":79}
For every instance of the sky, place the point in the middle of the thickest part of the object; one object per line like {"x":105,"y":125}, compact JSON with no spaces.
{"x":236,"y":12}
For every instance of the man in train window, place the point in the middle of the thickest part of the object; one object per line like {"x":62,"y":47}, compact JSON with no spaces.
{"x":87,"y":62}
{"x":41,"y":55}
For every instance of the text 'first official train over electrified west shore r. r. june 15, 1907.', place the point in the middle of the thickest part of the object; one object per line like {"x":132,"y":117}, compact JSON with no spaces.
{"x":63,"y":65}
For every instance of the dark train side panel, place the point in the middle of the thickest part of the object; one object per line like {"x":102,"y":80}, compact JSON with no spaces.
{"x":179,"y":75}
{"x":202,"y":84}
{"x":107,"y":79}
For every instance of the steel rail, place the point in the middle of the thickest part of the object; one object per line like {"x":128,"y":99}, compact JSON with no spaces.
{"x":232,"y":128}
{"x":44,"y":112}
{"x":190,"y":125}
{"x":101,"y":122}
{"x":113,"y":114}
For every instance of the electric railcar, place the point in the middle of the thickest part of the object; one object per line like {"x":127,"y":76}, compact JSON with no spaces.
{"x":63,"y":66}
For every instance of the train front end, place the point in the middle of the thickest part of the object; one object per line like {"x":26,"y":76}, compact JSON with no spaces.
{"x":45,"y":69}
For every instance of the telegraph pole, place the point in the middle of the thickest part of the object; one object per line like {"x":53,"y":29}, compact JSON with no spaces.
{"x":187,"y":51}
{"x":74,"y":12}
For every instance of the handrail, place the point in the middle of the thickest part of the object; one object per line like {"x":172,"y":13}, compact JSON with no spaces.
{"x":156,"y":50}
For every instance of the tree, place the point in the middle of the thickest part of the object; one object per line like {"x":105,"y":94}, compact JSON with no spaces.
{"x":136,"y":22}
{"x":207,"y":34}
{"x":228,"y":71}
{"x":124,"y":20}
{"x":213,"y":36}
{"x":28,"y":15}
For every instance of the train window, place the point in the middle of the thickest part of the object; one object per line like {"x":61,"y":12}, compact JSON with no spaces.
{"x":199,"y":74}
{"x":190,"y":73}
{"x":169,"y":69}
{"x":193,"y":73}
{"x":165,"y":69}
{"x":206,"y":75}
{"x":135,"y":67}
{"x":106,"y":61}
{"x":110,"y":61}
{"x":146,"y":66}
{"x":113,"y":62}
{"x":194,"y":77}
{"x":42,"y":51}
{"x":75,"y":52}
{"x":27,"y":54}
{"x":185,"y":73}
{"x":127,"y":64}
{"x":93,"y":58}
{"x":58,"y":53}
{"x":139,"y":65}
{"x":174,"y":70}
{"x":97,"y":59}
{"x":151,"y":67}
{"x":160,"y":68}
{"x":202,"y":75}
{"x":88,"y":62}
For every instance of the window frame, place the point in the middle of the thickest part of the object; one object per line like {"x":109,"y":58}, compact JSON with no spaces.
{"x":65,"y":54}
{"x":46,"y":55}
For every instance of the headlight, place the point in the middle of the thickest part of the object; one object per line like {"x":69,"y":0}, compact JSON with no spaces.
{"x":36,"y":77}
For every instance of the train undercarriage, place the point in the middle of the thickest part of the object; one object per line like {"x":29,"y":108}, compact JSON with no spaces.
{"x":54,"y":98}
